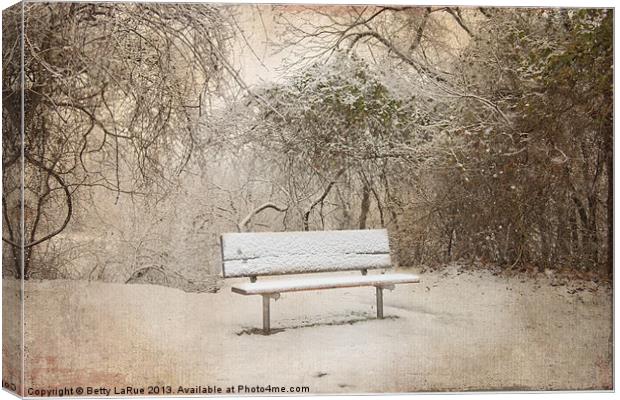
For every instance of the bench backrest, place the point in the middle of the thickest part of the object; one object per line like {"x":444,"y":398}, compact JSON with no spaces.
{"x":278,"y":253}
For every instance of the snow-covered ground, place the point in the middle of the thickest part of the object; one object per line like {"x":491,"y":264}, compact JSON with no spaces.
{"x":452,"y":331}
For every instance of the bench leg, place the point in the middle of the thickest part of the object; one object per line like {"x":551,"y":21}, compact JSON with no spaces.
{"x":379,"y":302}
{"x":266,"y":327}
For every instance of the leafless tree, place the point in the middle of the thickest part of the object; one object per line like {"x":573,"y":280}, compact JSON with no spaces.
{"x":112,"y":93}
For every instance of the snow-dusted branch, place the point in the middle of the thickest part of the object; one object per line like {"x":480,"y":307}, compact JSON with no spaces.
{"x":242,"y":226}
{"x":321,"y":199}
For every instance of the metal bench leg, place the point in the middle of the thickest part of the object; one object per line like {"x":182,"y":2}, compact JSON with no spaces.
{"x":266,"y":327}
{"x":379,"y":302}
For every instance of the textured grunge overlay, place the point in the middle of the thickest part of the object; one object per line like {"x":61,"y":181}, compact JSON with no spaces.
{"x":425,"y":190}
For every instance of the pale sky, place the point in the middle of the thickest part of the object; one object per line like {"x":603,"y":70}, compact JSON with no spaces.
{"x":253,"y":53}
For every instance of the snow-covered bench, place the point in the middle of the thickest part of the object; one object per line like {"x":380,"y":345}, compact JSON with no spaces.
{"x":270,"y":253}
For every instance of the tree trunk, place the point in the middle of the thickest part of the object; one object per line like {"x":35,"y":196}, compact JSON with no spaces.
{"x":365,"y":207}
{"x":610,"y":208}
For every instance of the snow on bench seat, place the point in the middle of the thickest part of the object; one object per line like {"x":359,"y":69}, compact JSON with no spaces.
{"x":316,"y":283}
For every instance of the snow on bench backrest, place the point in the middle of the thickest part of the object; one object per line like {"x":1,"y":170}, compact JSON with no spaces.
{"x":276,"y":253}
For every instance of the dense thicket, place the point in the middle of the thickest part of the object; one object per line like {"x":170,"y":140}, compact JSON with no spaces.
{"x":536,"y":188}
{"x":501,"y":154}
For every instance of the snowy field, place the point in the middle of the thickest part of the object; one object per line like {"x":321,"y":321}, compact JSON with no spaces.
{"x":454,"y":331}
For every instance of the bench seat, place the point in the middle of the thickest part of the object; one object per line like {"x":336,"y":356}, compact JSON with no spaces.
{"x":317,"y":283}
